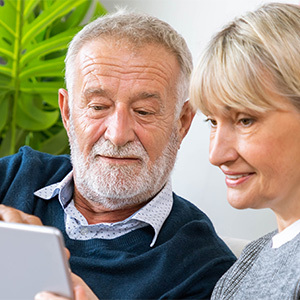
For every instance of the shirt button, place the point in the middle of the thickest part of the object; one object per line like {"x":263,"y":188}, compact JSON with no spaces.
{"x":84,"y":230}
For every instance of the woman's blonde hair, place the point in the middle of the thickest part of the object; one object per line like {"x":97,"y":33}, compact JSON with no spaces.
{"x":252,"y":56}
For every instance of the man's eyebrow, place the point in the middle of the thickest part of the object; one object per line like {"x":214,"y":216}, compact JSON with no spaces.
{"x":140,"y":96}
{"x":147,"y":95}
{"x":94,"y":91}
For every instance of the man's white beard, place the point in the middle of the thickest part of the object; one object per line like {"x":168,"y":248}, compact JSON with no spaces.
{"x":115,"y":186}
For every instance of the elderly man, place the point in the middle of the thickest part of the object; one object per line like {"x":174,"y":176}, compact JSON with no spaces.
{"x":129,"y":236}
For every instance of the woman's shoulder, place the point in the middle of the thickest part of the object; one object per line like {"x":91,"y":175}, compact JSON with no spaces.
{"x":254,"y":247}
{"x":229,"y":282}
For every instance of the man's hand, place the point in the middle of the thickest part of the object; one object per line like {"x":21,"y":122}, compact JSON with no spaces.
{"x":81,"y":292}
{"x":12,"y":215}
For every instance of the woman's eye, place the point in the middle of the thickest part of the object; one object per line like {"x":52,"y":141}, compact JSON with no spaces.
{"x":211,"y":122}
{"x":246,"y":121}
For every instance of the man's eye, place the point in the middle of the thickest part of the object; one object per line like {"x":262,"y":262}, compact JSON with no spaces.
{"x":143,"y":112}
{"x":98,"y":107}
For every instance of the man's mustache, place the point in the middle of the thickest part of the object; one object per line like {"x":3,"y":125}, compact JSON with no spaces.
{"x":130,"y":150}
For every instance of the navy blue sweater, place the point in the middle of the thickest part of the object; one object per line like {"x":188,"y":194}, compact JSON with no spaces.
{"x":187,"y":260}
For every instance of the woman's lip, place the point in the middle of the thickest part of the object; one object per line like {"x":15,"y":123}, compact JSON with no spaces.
{"x":236,"y":179}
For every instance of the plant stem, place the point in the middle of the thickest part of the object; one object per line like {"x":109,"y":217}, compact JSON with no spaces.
{"x":16,"y":72}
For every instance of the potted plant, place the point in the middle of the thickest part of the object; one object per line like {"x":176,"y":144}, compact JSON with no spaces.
{"x":34,"y":35}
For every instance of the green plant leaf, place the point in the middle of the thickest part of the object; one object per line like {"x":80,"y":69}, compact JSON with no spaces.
{"x":52,"y":67}
{"x":3,"y":111}
{"x":5,"y":81}
{"x":30,"y":117}
{"x":73,"y":19}
{"x":30,"y":5}
{"x":34,"y":35}
{"x":99,"y":11}
{"x":8,"y":19}
{"x":5,"y":50}
{"x":6,"y":71}
{"x":5,"y":143}
{"x":56,"y":144}
{"x":41,"y":87}
{"x":55,"y":11}
{"x":55,"y":43}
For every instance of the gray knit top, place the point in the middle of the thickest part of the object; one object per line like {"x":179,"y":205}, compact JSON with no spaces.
{"x":263,"y":272}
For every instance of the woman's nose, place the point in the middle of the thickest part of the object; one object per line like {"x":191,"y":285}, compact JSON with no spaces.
{"x":222,"y":147}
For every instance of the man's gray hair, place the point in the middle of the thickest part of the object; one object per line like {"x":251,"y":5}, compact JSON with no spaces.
{"x":139,"y":29}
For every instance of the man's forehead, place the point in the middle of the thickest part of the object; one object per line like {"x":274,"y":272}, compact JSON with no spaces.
{"x":150,"y":63}
{"x":128,"y":49}
{"x":100,"y":47}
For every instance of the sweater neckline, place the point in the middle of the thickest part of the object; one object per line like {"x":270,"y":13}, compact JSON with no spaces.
{"x":286,"y":235}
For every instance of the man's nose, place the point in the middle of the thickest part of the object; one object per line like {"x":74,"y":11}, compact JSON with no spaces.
{"x":222,"y":148}
{"x":119,"y":127}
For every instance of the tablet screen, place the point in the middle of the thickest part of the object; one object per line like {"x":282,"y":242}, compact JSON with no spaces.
{"x":32,"y":259}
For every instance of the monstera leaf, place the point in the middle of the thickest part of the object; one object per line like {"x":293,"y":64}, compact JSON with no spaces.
{"x":34,"y":35}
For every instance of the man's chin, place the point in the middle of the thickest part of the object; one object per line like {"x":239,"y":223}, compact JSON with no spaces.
{"x":115,"y":202}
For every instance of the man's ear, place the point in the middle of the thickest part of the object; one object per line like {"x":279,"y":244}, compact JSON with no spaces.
{"x":185,"y":120}
{"x":63,"y":100}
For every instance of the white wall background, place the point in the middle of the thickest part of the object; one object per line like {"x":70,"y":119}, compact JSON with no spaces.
{"x":194,"y":178}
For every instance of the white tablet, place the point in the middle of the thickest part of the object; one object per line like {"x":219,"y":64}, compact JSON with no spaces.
{"x":32,"y":259}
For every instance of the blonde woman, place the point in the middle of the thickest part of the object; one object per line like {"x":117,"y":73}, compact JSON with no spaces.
{"x":248,"y":86}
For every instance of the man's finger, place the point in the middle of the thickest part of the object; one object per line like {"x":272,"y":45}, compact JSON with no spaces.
{"x":48,"y":296}
{"x":81,"y":290}
{"x":12,"y":215}
{"x":8,"y":214}
{"x":30,"y":219}
{"x":67,"y":252}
